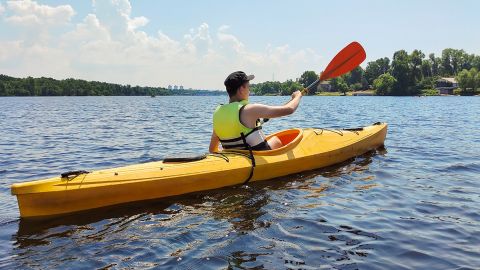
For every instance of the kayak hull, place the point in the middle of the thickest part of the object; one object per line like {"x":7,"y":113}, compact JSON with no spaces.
{"x":306,"y":149}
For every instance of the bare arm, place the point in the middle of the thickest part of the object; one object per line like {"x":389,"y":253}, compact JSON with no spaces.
{"x":254,"y":111}
{"x":214,"y":140}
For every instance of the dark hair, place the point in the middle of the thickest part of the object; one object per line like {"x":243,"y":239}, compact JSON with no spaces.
{"x":232,"y":90}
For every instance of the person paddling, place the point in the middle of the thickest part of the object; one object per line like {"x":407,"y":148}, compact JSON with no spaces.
{"x":236,"y":125}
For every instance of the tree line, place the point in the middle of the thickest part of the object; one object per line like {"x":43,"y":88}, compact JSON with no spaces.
{"x":11,"y":86}
{"x":406,"y":74}
{"x":410,"y":74}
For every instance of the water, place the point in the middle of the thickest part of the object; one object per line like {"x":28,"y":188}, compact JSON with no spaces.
{"x":413,"y":205}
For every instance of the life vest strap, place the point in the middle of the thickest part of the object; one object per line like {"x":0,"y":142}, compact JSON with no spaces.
{"x":254,"y":139}
{"x":252,"y":158}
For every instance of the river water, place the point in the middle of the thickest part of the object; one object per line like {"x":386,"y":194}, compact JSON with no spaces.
{"x":413,"y":205}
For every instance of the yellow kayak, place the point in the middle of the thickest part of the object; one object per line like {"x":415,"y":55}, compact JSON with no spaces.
{"x":304,"y":149}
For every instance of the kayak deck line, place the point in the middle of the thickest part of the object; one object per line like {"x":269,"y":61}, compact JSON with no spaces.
{"x":162,"y":167}
{"x":129,"y":180}
{"x":165,"y":165}
{"x":304,"y":149}
{"x":114,"y":173}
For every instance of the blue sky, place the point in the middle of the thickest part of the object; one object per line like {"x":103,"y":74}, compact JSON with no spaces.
{"x":197,"y":43}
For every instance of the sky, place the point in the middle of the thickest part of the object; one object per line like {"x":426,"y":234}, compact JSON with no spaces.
{"x":198,"y":43}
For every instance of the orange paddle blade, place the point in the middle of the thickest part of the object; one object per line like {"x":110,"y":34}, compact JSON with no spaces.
{"x":347,"y":59}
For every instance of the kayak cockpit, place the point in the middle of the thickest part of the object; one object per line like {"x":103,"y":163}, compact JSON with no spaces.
{"x":289,"y":138}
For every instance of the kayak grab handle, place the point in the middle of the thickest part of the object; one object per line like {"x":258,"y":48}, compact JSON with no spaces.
{"x":73,"y":173}
{"x":183,"y":158}
{"x":353,"y":129}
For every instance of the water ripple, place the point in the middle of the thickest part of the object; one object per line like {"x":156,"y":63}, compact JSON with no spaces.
{"x":413,"y":205}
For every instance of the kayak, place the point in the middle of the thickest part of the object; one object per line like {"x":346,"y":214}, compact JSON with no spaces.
{"x":304,"y":149}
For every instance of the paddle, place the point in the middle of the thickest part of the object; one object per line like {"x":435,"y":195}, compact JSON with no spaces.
{"x":346,"y":60}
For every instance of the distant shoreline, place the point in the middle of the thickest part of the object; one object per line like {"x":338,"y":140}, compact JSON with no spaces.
{"x":12,"y":86}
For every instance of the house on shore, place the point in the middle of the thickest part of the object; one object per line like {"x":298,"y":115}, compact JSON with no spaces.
{"x":445,"y":85}
{"x":324,"y":86}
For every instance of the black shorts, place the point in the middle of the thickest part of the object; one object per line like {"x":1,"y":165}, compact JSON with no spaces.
{"x":264,"y":146}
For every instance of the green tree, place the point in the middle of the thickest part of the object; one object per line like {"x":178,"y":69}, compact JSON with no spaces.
{"x":343,"y":87}
{"x":468,"y":81}
{"x":50,"y":87}
{"x":435,"y":63}
{"x":446,"y":64}
{"x":288,"y":87}
{"x":376,"y":68}
{"x":372,"y":71}
{"x":416,"y":59}
{"x":426,"y":69}
{"x":384,"y":84}
{"x":3,"y":91}
{"x":30,"y":86}
{"x":401,"y":73}
{"x":357,"y":86}
{"x":267,"y":88}
{"x":474,"y":76}
{"x":339,"y":84}
{"x":355,"y":76}
{"x":384,"y":64}
{"x":459,"y":60}
{"x":476,"y":80}
{"x":307,"y":78}
{"x":426,"y":83}
{"x":455,"y":60}
{"x":476,"y":62}
{"x":463,"y":80}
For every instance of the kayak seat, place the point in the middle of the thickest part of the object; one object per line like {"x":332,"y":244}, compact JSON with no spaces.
{"x":289,"y":139}
{"x":183,"y":158}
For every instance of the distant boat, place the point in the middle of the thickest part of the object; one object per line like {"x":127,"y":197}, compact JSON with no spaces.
{"x":152,"y":95}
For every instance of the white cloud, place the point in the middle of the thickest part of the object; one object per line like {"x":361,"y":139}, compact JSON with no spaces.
{"x":28,"y":13}
{"x":229,"y":39}
{"x":90,"y":30}
{"x":116,"y":16}
{"x":2,"y":8}
{"x":9,"y":50}
{"x":108,"y":45}
{"x":199,"y":41}
{"x":137,"y":22}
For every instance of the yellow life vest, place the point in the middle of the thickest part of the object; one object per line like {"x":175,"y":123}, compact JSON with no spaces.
{"x":232,"y":133}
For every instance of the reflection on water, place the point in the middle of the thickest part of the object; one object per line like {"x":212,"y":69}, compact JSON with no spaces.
{"x":414,"y":207}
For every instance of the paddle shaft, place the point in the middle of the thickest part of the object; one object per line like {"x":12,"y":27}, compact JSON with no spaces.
{"x":311,"y":86}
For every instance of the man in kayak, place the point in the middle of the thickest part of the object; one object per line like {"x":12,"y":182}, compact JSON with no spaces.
{"x":236,"y":125}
